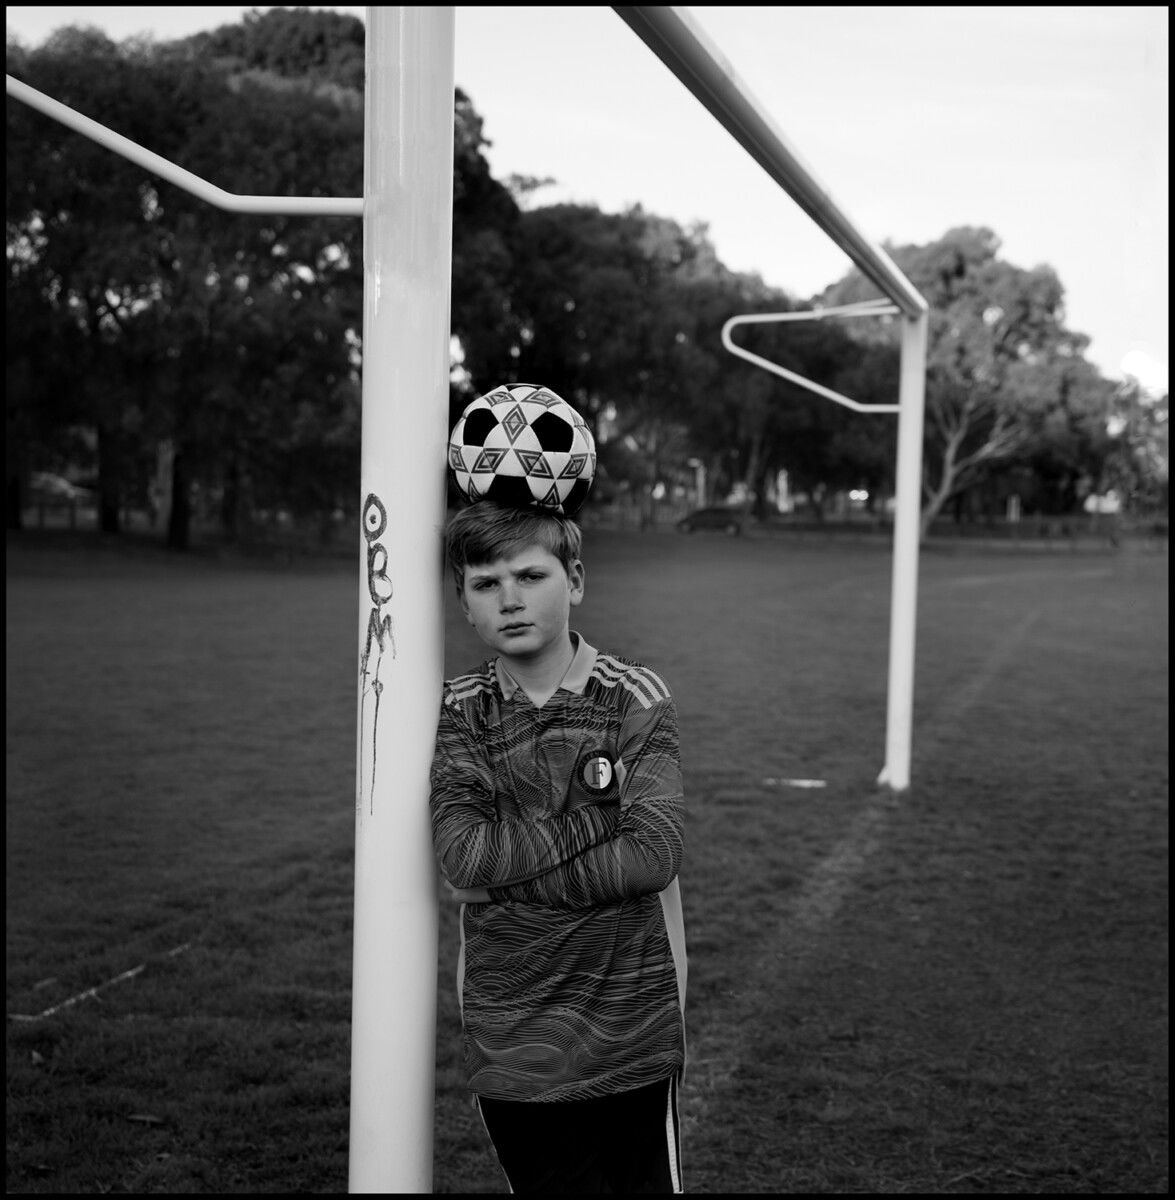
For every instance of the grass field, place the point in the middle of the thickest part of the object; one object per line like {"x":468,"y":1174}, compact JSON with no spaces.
{"x":962,"y":989}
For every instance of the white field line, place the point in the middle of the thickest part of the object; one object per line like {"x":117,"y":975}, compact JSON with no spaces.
{"x":713,"y":1056}
{"x":91,"y":993}
{"x":953,"y":707}
{"x":822,"y":893}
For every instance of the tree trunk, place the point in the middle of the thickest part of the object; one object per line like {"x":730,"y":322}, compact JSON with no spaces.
{"x":935,"y":500}
{"x":109,"y":481}
{"x":816,"y":499}
{"x":15,"y":512}
{"x":751,"y":481}
{"x":230,"y":504}
{"x":649,"y":509}
{"x":180,"y":519}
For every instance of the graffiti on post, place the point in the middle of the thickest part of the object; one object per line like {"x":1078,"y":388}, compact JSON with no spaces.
{"x":379,"y":643}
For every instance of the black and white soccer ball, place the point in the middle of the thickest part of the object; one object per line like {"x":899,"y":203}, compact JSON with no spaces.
{"x":523,"y":445}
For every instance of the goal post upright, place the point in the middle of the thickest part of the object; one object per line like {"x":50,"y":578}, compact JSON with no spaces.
{"x":907,"y":534}
{"x":407,"y":258}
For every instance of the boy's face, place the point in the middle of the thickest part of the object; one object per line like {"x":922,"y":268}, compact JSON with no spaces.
{"x":520,"y":604}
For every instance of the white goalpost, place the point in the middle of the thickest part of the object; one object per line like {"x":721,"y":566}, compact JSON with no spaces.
{"x":407,"y":213}
{"x":408,"y":186}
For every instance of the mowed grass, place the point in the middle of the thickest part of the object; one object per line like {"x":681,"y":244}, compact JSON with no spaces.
{"x":960,"y":989}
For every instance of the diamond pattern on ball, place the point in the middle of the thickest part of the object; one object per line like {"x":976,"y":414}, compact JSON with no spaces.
{"x":514,"y":422}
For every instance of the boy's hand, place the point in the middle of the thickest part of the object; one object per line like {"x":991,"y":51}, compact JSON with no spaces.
{"x":467,"y":895}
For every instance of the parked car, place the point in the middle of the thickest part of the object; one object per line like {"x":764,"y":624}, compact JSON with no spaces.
{"x":729,"y":520}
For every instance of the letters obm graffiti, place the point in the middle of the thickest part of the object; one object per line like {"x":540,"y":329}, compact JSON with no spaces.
{"x":379,"y":642}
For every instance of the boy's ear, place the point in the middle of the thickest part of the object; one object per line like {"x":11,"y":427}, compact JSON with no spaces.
{"x":463,"y":602}
{"x":576,"y":579}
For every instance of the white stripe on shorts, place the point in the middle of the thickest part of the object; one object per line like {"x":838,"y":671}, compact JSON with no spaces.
{"x":671,"y":1137}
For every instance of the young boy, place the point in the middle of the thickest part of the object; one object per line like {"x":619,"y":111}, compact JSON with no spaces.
{"x":557,"y":820}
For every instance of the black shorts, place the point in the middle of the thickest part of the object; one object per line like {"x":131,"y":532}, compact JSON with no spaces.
{"x":623,"y":1144}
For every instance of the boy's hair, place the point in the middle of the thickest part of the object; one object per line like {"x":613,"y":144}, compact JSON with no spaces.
{"x":485,"y":531}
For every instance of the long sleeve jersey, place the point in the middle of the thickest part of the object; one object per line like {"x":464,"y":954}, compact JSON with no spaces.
{"x":572,"y":981}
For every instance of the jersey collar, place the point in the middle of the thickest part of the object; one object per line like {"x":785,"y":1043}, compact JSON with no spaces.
{"x":574,"y":681}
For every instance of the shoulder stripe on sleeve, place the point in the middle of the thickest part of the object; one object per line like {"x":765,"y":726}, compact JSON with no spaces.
{"x":642,"y":683}
{"x":465,"y":687}
{"x":656,"y":683}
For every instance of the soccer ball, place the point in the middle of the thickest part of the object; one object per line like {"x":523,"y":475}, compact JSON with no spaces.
{"x":521,"y":444}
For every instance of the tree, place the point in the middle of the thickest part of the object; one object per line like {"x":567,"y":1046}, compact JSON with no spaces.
{"x":235,"y":340}
{"x":1064,"y":403}
{"x":178,"y":311}
{"x":70,"y":224}
{"x":997,"y":346}
{"x":322,"y":48}
{"x":1137,"y":461}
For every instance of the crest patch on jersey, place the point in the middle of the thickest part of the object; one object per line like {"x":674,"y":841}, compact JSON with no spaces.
{"x":595,"y":772}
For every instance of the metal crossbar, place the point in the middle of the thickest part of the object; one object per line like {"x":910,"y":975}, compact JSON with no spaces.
{"x":680,"y":43}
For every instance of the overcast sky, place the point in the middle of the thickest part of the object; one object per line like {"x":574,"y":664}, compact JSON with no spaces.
{"x":1046,"y":124}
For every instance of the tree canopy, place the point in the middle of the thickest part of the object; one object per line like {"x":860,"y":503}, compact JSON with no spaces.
{"x":1007,"y":382}
{"x":143,"y":325}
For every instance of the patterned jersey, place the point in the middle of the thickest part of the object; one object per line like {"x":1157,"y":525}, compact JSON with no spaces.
{"x":572,"y":981}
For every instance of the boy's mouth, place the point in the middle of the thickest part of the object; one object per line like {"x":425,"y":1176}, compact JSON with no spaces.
{"x":515,"y":627}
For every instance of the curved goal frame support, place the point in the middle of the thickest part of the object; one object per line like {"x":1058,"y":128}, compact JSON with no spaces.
{"x":298,"y":206}
{"x":867,"y":308}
